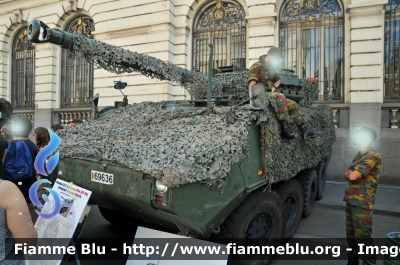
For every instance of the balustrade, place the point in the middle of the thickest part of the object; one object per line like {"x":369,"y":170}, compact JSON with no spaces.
{"x":66,"y":115}
{"x":393,"y":119}
{"x":29,"y":115}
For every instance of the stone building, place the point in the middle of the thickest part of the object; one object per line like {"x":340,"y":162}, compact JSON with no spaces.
{"x":351,"y":48}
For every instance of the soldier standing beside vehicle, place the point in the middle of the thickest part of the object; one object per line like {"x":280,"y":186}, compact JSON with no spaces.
{"x":263,"y":72}
{"x":360,"y":194}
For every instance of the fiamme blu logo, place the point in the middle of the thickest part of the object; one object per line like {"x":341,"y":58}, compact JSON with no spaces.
{"x":44,"y":166}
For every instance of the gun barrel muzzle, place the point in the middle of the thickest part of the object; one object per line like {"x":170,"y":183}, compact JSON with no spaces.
{"x":54,"y":36}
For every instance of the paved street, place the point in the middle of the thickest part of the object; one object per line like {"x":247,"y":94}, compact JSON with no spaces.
{"x":327,"y":221}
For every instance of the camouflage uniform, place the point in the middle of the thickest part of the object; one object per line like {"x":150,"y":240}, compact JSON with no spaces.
{"x":267,"y":76}
{"x":360,"y":197}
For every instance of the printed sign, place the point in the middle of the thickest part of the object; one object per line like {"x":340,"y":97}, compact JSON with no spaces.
{"x":73,"y":201}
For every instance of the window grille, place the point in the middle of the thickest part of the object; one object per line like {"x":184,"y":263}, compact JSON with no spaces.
{"x":23,"y":72}
{"x":77,"y":74}
{"x":311,"y":38}
{"x":222,"y":23}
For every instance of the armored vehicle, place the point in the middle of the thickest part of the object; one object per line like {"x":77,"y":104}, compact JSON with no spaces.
{"x":211,"y":165}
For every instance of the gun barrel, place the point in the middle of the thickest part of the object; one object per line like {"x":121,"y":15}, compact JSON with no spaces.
{"x":117,"y":60}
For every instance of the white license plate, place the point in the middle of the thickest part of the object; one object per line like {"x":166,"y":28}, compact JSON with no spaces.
{"x":103,"y":178}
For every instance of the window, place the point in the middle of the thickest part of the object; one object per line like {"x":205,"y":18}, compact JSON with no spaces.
{"x":311,"y":37}
{"x":77,"y":74}
{"x":392,"y":56}
{"x":22,"y":82}
{"x":223,"y":24}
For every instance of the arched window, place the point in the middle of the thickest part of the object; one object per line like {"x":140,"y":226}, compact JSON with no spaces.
{"x":223,"y":24}
{"x":392,"y":55}
{"x":77,"y":74}
{"x":311,"y":36}
{"x":22,"y":82}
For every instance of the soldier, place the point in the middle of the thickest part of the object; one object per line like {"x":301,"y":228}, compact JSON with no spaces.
{"x":360,"y":194}
{"x":263,"y":72}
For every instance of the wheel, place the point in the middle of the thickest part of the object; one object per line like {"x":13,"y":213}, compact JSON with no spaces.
{"x":321,"y":179}
{"x":292,"y":196}
{"x":308,"y":180}
{"x":259,"y":220}
{"x":118,"y":220}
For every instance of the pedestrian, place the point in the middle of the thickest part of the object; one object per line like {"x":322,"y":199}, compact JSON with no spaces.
{"x":75,"y":122}
{"x":42,"y":137}
{"x":6,"y":132}
{"x":263,"y":72}
{"x":360,"y":195}
{"x":20,"y":158}
{"x":3,"y":152}
{"x":56,"y":127}
{"x":15,"y":224}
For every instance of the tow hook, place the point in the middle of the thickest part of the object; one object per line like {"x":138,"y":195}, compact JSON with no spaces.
{"x":216,"y":230}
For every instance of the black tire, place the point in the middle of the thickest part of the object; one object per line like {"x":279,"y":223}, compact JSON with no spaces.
{"x":118,"y":220}
{"x":292,"y":197}
{"x":308,"y":180}
{"x":321,"y":179}
{"x":260,"y":215}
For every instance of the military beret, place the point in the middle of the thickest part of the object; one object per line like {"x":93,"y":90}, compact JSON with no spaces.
{"x":369,"y":131}
{"x":275,"y":51}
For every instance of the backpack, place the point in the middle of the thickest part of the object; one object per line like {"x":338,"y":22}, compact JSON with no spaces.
{"x":18,"y":164}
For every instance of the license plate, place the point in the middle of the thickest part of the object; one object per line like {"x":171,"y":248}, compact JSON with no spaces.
{"x":103,"y":178}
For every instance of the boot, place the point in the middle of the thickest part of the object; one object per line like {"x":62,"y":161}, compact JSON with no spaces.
{"x":308,"y":134}
{"x":286,"y":132}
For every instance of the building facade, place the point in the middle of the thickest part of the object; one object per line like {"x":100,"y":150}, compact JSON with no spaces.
{"x":350,"y":47}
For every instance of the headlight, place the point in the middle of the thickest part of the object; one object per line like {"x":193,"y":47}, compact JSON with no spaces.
{"x":161,"y":188}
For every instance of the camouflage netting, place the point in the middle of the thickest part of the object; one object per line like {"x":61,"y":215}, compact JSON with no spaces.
{"x":176,"y":146}
{"x":118,"y":60}
{"x":310,"y":93}
{"x":234,"y":83}
{"x":284,"y":158}
{"x":180,"y":146}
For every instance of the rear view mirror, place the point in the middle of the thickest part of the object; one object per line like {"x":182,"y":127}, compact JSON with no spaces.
{"x":257,"y":96}
{"x":120,"y":85}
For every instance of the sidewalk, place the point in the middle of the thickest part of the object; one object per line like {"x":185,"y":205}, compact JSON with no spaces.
{"x":387,"y":197}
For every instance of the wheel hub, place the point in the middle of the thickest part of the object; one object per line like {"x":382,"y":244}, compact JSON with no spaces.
{"x":259,"y":228}
{"x":290,"y":206}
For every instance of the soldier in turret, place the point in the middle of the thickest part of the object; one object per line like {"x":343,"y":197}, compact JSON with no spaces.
{"x":263,"y":72}
{"x":360,"y":195}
